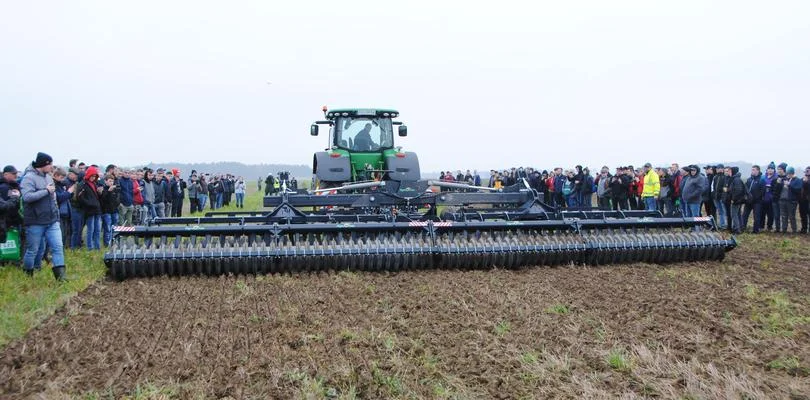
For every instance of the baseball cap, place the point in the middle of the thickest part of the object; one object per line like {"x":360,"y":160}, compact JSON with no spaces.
{"x":9,"y":169}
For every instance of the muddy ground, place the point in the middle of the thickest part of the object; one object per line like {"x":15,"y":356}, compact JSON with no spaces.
{"x":736,"y":329}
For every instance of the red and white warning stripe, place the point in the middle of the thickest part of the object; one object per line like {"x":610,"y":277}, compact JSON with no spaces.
{"x":436,"y":224}
{"x":703,"y":218}
{"x":124,"y":229}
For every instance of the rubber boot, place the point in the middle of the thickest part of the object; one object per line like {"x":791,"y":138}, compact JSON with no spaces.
{"x":59,"y":273}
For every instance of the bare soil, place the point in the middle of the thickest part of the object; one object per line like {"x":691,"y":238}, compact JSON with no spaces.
{"x":708,"y":330}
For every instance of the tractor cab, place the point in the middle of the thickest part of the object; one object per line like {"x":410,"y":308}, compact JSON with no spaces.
{"x":361,"y":147}
{"x":361,"y":130}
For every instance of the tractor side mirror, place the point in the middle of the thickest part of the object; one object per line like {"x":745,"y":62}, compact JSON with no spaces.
{"x":313,"y":130}
{"x":403,"y":130}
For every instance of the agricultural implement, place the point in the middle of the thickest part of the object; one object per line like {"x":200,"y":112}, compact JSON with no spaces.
{"x":369,"y":210}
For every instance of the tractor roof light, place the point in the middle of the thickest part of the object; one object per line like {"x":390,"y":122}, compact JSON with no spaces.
{"x":345,"y":114}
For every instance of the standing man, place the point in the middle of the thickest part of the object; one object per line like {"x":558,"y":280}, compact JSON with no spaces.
{"x":193,"y":192}
{"x":127,"y":197}
{"x":41,"y":217}
{"x":770,"y":203}
{"x":177,"y":187}
{"x":652,"y":188}
{"x":619,"y":189}
{"x":788,"y":199}
{"x":804,"y":202}
{"x":10,"y":189}
{"x":755,"y":190}
{"x":603,"y":189}
{"x":707,"y":200}
{"x":718,"y":190}
{"x":676,"y":184}
{"x":694,"y":185}
{"x":737,"y":197}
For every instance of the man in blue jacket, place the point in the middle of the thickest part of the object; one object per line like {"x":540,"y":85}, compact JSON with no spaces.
{"x":41,"y":217}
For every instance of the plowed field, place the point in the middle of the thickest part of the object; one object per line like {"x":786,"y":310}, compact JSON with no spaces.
{"x":740,"y":328}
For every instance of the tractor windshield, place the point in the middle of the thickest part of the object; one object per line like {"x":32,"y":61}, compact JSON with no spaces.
{"x":364,"y":133}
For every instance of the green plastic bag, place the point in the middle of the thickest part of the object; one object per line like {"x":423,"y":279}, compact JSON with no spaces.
{"x":10,"y":250}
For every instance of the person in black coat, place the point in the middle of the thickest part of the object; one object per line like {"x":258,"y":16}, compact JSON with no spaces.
{"x":619,"y":189}
{"x":110,"y":199}
{"x":755,"y":193}
{"x":736,"y":197}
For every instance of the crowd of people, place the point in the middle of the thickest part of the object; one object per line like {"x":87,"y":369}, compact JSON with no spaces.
{"x":51,"y":207}
{"x":55,"y":207}
{"x":769,"y":199}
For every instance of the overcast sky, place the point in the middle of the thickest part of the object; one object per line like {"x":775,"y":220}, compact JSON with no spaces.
{"x":491,"y":86}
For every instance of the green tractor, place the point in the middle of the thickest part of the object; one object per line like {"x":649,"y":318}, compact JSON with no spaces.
{"x":361,"y":149}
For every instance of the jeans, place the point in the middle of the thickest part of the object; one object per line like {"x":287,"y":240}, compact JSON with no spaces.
{"x":106,"y":227}
{"x":37,"y":236}
{"x":692,"y":209}
{"x":76,"y":227}
{"x":604,"y":203}
{"x":757,"y":209}
{"x":64,"y":226}
{"x":125,"y":214}
{"x":766,"y":215}
{"x":721,"y":214}
{"x":776,"y":215}
{"x":571,"y":200}
{"x":177,"y":207}
{"x":804,"y":215}
{"x":710,"y":211}
{"x":147,"y":212}
{"x":202,"y":199}
{"x":93,"y":232}
{"x":160,"y":210}
{"x":240,"y":200}
{"x":787,"y":213}
{"x":649,"y":204}
{"x":193,"y":204}
{"x":736,"y":226}
{"x":219,"y":200}
{"x":586,"y":200}
{"x":620,"y":204}
{"x":667,"y":206}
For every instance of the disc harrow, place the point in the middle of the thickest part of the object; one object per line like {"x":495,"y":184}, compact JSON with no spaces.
{"x":246,"y":248}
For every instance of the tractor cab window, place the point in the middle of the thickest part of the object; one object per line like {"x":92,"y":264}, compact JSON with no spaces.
{"x":364,"y":133}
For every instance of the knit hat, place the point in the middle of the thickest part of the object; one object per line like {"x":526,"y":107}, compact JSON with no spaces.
{"x":735,"y":170}
{"x":790,"y":170}
{"x":42,"y":160}
{"x":719,"y":166}
{"x":175,"y":172}
{"x":783,"y":166}
{"x":772,"y":166}
{"x":9,"y":169}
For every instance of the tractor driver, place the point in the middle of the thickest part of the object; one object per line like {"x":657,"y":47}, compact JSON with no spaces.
{"x":363,"y":142}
